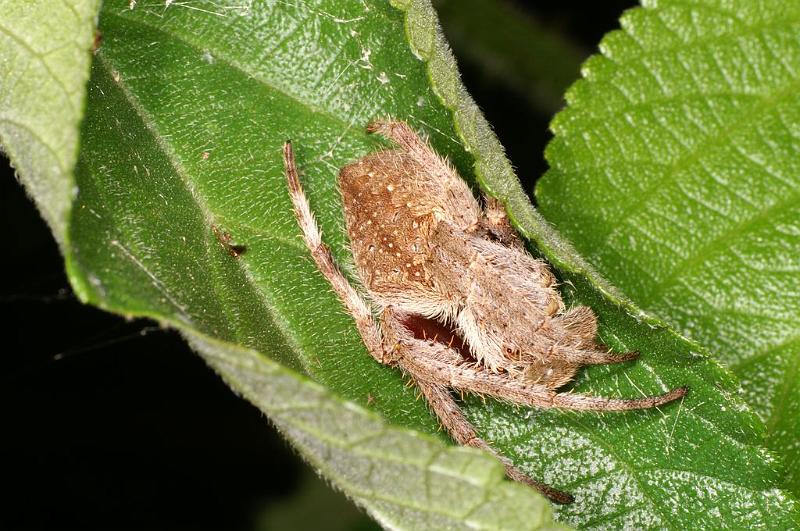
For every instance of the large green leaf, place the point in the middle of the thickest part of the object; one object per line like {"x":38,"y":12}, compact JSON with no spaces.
{"x":355,"y":449}
{"x":676,"y":172}
{"x":188,"y":107}
{"x":45,"y":52}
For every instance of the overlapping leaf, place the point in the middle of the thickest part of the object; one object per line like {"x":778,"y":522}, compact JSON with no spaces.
{"x":44,"y":64}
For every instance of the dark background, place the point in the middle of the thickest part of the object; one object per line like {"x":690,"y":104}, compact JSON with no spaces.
{"x":116,"y":424}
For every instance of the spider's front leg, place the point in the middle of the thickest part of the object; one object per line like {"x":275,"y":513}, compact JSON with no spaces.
{"x":496,"y":222}
{"x":355,"y":305}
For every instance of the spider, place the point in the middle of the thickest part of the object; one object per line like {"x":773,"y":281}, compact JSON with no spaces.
{"x":460,"y":304}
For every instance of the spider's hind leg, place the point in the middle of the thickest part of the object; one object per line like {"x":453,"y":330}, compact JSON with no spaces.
{"x":452,"y":418}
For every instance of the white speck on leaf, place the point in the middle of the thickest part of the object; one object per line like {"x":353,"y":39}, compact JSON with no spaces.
{"x":364,"y":59}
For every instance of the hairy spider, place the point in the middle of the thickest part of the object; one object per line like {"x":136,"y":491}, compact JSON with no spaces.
{"x":461,"y":304}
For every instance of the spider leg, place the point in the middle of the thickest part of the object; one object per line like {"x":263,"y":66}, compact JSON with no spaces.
{"x":478,"y":380}
{"x":581,"y":356}
{"x":355,"y":305}
{"x":581,"y":323}
{"x":495,"y":220}
{"x":401,"y":134}
{"x":440,"y":364}
{"x":599,"y":403}
{"x":460,"y":429}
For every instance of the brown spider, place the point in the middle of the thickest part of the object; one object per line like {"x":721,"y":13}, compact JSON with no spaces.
{"x":462,"y":305}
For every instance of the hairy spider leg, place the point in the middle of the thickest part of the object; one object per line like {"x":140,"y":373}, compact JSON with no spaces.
{"x":355,"y":305}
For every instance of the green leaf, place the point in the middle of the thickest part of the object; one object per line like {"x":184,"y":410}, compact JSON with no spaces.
{"x":188,"y":107}
{"x":45,"y":53}
{"x":676,"y":172}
